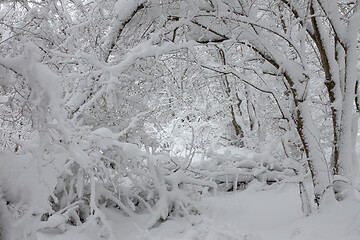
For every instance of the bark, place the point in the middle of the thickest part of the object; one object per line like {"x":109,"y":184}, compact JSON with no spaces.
{"x":315,"y":159}
{"x":344,"y":172}
{"x":234,"y":108}
{"x":339,"y":66}
{"x":331,"y":82}
{"x":345,"y":166}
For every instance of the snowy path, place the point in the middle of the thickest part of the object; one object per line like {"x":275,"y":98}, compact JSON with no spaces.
{"x":247,"y":215}
{"x":257,"y":215}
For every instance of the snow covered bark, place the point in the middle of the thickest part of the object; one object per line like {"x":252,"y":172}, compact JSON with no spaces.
{"x":339,"y":59}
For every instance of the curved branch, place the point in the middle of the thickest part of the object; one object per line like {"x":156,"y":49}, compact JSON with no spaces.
{"x":120,"y":29}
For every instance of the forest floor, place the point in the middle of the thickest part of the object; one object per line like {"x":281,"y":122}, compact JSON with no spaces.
{"x":253,"y":214}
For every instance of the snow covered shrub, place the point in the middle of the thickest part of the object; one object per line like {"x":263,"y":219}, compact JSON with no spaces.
{"x":120,"y":175}
{"x":29,"y":169}
{"x":235,"y":168}
{"x":66,"y":171}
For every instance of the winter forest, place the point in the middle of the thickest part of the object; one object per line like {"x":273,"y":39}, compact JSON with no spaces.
{"x":179,"y":119}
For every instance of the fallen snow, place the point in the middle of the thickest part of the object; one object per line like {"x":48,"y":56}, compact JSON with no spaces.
{"x":253,"y":214}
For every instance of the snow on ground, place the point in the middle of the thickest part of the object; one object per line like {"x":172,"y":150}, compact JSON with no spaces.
{"x":247,"y":215}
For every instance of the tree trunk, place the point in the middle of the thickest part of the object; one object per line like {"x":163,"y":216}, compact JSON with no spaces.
{"x":315,"y":159}
{"x":343,"y":171}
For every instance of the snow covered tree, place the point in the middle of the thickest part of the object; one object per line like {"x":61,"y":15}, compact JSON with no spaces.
{"x":296,"y":44}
